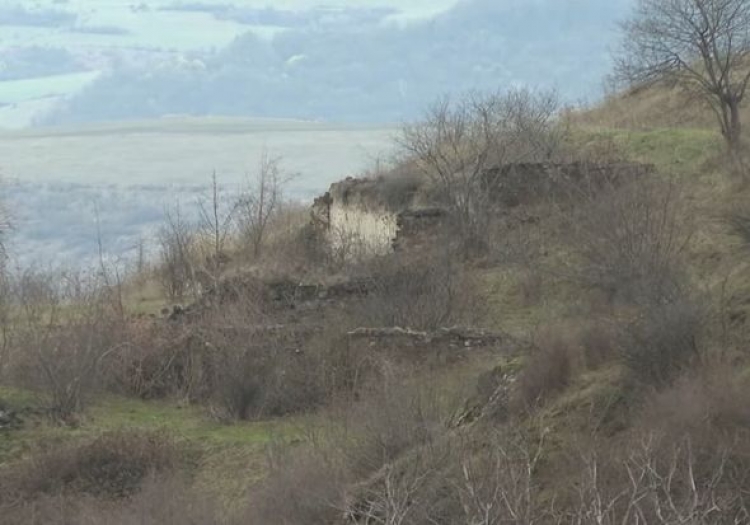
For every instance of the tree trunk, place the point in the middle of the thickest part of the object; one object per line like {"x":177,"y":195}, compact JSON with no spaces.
{"x":734,"y":127}
{"x":731,"y":129}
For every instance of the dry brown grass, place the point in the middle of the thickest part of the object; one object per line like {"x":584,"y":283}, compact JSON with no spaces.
{"x":658,"y":106}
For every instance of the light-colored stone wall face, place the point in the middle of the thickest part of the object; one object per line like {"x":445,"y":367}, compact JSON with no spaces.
{"x":361,"y":232}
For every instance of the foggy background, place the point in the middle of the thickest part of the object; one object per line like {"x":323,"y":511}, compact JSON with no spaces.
{"x":126,"y":106}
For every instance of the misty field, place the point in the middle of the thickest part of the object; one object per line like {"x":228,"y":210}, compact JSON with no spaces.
{"x":57,"y":179}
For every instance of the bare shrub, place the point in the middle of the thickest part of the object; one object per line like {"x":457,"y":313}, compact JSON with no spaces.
{"x":663,"y":341}
{"x":112,"y":465}
{"x":162,"y":500}
{"x":176,"y":241}
{"x":66,"y":326}
{"x":598,"y":342}
{"x":256,"y":371}
{"x":304,"y":487}
{"x":156,"y":364}
{"x":259,"y":203}
{"x":456,"y":144}
{"x":666,"y":483}
{"x":346,"y":249}
{"x":631,"y":239}
{"x":548,"y":369}
{"x":392,"y":417}
{"x":497,"y":483}
{"x":432,"y":292}
{"x":485,"y":480}
{"x":354,"y":441}
{"x":406,"y":491}
{"x":292,"y":246}
{"x":707,"y":405}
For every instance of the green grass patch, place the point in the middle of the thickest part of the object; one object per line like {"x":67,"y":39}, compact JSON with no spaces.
{"x":673,"y":151}
{"x":231,"y":456}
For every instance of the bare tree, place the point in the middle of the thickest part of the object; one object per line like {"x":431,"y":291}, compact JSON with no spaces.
{"x":698,"y":45}
{"x":260,"y":203}
{"x":215,"y":222}
{"x":457,"y":144}
{"x":176,"y":244}
{"x":110,"y":274}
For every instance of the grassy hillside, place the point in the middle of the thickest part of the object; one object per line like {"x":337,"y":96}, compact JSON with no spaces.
{"x":651,"y":107}
{"x":613,"y":371}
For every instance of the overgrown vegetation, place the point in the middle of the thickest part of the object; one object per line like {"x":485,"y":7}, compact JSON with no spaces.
{"x":569,"y":348}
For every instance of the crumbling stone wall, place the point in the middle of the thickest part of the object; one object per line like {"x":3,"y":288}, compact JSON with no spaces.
{"x":417,"y":230}
{"x":353,"y":216}
{"x":357,"y":211}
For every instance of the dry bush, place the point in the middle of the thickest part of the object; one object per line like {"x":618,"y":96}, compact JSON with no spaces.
{"x":431,"y":292}
{"x":159,"y":362}
{"x":631,"y":239}
{"x":456,"y":143}
{"x":304,"y":488}
{"x":261,"y":380}
{"x":548,"y":369}
{"x":598,"y":342}
{"x":663,"y":341}
{"x":65,"y":328}
{"x":483,"y":479}
{"x":176,"y":240}
{"x":292,"y":246}
{"x":709,"y":404}
{"x":411,"y":490}
{"x":357,"y":439}
{"x":665,"y":482}
{"x":392,"y":418}
{"x":252,"y":371}
{"x":113,"y":465}
{"x":347,"y":248}
{"x":685,"y":459}
{"x":161,"y":500}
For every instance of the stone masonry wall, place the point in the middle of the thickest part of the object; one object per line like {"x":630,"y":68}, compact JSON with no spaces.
{"x":355,"y":214}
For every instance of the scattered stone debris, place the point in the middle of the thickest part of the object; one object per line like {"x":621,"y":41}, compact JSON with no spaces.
{"x":456,"y":337}
{"x":282,"y":294}
{"x":492,"y":398}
